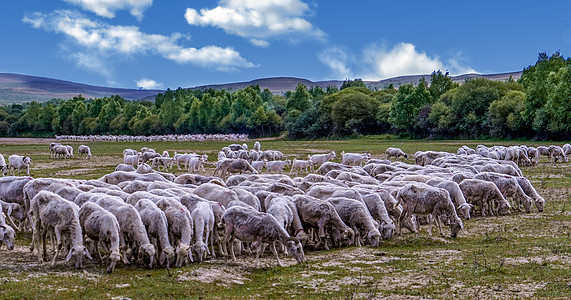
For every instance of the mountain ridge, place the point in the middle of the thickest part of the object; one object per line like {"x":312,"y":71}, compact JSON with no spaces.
{"x":19,"y":88}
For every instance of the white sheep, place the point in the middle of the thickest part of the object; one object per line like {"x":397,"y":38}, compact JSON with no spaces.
{"x":395,"y":152}
{"x":84,"y":149}
{"x":156,"y":224}
{"x":54,"y":214}
{"x":133,"y":231}
{"x":356,"y":215}
{"x":354,"y":158}
{"x":319,"y":159}
{"x":298,"y":164}
{"x":180,"y":228}
{"x":102,"y":227}
{"x":3,"y":165}
{"x":203,"y":218}
{"x":7,"y":234}
{"x":17,"y":162}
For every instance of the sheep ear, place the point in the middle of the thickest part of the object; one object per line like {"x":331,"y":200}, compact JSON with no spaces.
{"x":87,"y":253}
{"x":69,"y":254}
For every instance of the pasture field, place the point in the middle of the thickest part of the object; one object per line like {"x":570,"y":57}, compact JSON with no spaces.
{"x":509,"y":257}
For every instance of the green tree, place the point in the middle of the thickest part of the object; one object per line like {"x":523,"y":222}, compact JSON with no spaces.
{"x":440,"y":84}
{"x":505,"y":114}
{"x":355,"y":113}
{"x":407,"y":104}
{"x":299,"y":100}
{"x":558,"y":106}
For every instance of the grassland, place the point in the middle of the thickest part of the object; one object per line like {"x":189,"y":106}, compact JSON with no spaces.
{"x":515,"y":256}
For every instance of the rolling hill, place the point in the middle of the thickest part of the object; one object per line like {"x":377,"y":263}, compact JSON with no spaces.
{"x":17,"y":88}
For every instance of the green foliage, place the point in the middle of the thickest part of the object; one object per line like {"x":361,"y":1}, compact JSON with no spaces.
{"x":358,"y":82}
{"x":505,"y":114}
{"x":299,"y":100}
{"x":440,"y":84}
{"x":407,"y":104}
{"x":355,"y":113}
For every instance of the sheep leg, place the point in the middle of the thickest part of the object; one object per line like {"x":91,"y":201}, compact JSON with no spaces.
{"x":58,"y":244}
{"x":437,"y":219}
{"x":259,"y":246}
{"x":275,"y":252}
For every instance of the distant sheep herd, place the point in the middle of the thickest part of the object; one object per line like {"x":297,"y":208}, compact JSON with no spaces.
{"x":141,"y":213}
{"x":154,"y":138}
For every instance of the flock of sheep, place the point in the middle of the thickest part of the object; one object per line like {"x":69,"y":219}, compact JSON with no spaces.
{"x":154,"y":138}
{"x":142,"y":213}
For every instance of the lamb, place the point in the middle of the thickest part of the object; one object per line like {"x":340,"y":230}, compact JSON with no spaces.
{"x":102,"y":227}
{"x":197,"y":162}
{"x":395,"y":152}
{"x":161,"y":161}
{"x":156,"y":224}
{"x":54,"y":214}
{"x":203,"y":218}
{"x":247,"y":225}
{"x":529,"y":190}
{"x":190,"y":201}
{"x":556,"y":153}
{"x":378,"y":211}
{"x":509,"y":187}
{"x":356,"y":215}
{"x":321,"y":214}
{"x":486,"y":196}
{"x":84,"y":149}
{"x":277,"y":165}
{"x":258,"y":165}
{"x":426,"y":200}
{"x":257,"y":146}
{"x":148,"y":155}
{"x":3,"y":166}
{"x":180,"y":228}
{"x":17,"y":162}
{"x":132,"y":160}
{"x":7,"y":234}
{"x":52,"y":147}
{"x":354,"y":158}
{"x":129,"y":152}
{"x":299,"y":164}
{"x":133,"y":231}
{"x":319,"y":159}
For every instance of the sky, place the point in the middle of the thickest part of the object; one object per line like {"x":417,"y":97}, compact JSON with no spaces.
{"x":185,"y":43}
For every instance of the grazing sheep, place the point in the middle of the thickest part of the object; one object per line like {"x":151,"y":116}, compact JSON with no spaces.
{"x":102,"y":227}
{"x":17,"y":162}
{"x":248,"y":225}
{"x":321,"y":214}
{"x":133,"y":231}
{"x":529,"y":190}
{"x":486,"y":196}
{"x":61,"y":151}
{"x":509,"y":187}
{"x":356,"y":215}
{"x":156,"y":224}
{"x":84,"y":149}
{"x":54,"y":214}
{"x":556,"y":153}
{"x":395,"y":152}
{"x":354,"y":158}
{"x":462,"y":207}
{"x":378,"y":211}
{"x":132,"y":160}
{"x":148,"y":155}
{"x":120,"y":176}
{"x":160,"y":161}
{"x":426,"y":200}
{"x":233,"y":166}
{"x":14,"y":210}
{"x":180,"y":228}
{"x":7,"y":234}
{"x":203,"y":218}
{"x":52,"y":147}
{"x":217,"y":193}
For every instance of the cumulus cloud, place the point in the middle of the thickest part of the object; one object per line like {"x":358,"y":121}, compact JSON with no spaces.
{"x":149,"y":84}
{"x":103,"y":40}
{"x":379,"y":62}
{"x":337,"y":60}
{"x":257,"y":20}
{"x":107,"y":8}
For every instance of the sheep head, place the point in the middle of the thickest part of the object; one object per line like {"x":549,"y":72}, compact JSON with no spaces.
{"x":201,"y":249}
{"x":539,"y":204}
{"x":464,"y":211}
{"x":147,"y":253}
{"x":295,"y":248}
{"x":182,"y":252}
{"x":77,"y":252}
{"x":114,"y":257}
{"x":167,"y":255}
{"x":387,"y":230}
{"x":455,"y":227}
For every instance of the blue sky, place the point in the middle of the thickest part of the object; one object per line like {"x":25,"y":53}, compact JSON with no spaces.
{"x":178,"y":43}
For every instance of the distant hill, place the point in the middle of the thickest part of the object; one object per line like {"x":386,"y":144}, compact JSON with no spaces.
{"x":16,"y":88}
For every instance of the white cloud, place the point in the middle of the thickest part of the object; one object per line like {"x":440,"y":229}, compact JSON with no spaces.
{"x":107,"y":8}
{"x":403,"y":59}
{"x":102,"y":40}
{"x":257,"y":20}
{"x":149,"y":84}
{"x":337,"y":60}
{"x":379,"y":62}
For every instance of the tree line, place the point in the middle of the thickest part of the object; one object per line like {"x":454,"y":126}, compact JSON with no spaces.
{"x":538,"y":105}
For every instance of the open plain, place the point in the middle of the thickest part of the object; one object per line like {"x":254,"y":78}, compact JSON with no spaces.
{"x":509,"y":257}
